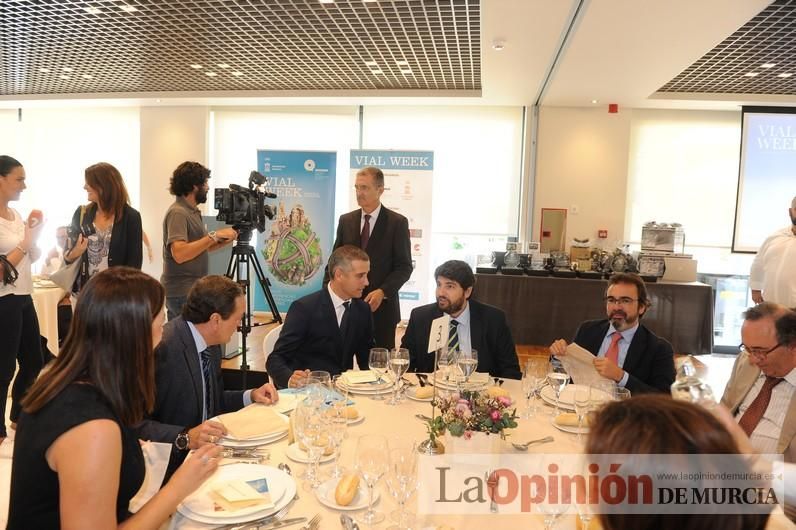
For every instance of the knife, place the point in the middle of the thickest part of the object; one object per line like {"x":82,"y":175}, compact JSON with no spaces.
{"x":266,"y":523}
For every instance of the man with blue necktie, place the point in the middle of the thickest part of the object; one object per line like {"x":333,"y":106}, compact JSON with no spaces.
{"x":625,"y":350}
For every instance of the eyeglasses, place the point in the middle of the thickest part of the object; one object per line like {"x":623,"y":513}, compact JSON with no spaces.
{"x":758,"y":352}
{"x":625,"y":300}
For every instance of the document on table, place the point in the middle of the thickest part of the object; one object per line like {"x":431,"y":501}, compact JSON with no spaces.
{"x":579,"y":364}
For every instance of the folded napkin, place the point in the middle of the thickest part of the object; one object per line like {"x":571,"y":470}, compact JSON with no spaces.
{"x":238,"y":494}
{"x":255,"y":421}
{"x":156,"y":460}
{"x":360,"y":377}
{"x":570,"y":419}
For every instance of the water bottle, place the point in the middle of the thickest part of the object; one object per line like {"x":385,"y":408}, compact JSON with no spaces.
{"x":688,"y":387}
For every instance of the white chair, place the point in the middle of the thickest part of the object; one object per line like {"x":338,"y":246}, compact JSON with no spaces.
{"x":270,"y":341}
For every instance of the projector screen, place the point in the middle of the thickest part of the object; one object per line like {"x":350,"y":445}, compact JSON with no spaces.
{"x":767,"y":175}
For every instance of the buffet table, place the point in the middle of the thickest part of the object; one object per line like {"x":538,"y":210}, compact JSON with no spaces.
{"x":543,"y":309}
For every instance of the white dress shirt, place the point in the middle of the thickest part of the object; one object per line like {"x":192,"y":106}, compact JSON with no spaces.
{"x":373,"y":216}
{"x":773,"y":270}
{"x":337,"y":302}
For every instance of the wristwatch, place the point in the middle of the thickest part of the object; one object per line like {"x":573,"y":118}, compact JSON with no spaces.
{"x":182,"y":441}
{"x":213,"y":236}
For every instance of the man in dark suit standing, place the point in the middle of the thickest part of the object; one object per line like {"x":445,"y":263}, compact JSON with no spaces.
{"x":625,"y":350}
{"x":189,"y":387}
{"x":326,"y":329}
{"x":473,"y":325}
{"x":384,"y":235}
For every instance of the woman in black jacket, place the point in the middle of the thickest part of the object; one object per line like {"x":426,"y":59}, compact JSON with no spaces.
{"x":106,"y":232}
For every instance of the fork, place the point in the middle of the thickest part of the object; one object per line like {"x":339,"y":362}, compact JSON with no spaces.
{"x":491,"y":483}
{"x":524,"y":446}
{"x":261,"y":522}
{"x":314,"y":523}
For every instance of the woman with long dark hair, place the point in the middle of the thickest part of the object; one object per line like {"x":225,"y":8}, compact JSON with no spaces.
{"x":19,"y":339}
{"x":77,"y":462}
{"x":107,"y":232}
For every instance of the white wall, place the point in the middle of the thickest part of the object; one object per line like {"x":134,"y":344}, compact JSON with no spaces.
{"x":582,"y":161}
{"x":169,"y":136}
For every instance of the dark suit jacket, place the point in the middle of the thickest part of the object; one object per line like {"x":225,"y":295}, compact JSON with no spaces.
{"x":179,"y":392}
{"x":390,"y":255}
{"x":126,"y":243}
{"x":490,"y":336}
{"x":311,"y":339}
{"x":649,"y":361}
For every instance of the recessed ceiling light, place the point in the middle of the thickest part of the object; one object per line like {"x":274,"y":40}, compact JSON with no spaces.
{"x":751,"y":74}
{"x":128,"y":8}
{"x":211,"y":74}
{"x":92,"y":10}
{"x":44,"y":70}
{"x":67,"y":69}
{"x":222,"y":65}
{"x":376,"y":72}
{"x":406,"y":71}
{"x":594,"y":101}
{"x":784,"y":75}
{"x":87,"y":76}
{"x":369,"y":1}
{"x":498,"y":45}
{"x":768,"y":65}
{"x":236,"y":73}
{"x":196,"y":66}
{"x":402,"y":63}
{"x":64,"y":76}
{"x":327,"y":1}
{"x":370,"y":63}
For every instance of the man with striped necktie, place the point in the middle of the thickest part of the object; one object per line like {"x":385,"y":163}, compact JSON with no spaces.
{"x":473,"y":325}
{"x":625,"y":350}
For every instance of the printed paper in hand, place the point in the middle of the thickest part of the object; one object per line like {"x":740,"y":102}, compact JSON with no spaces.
{"x":579,"y":364}
{"x":438,"y":336}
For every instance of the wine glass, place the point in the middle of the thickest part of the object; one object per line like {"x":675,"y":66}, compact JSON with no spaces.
{"x":399,"y":364}
{"x":401,"y":479}
{"x":530,"y":381}
{"x":445,"y":359}
{"x":378,"y":362}
{"x":467,"y":361}
{"x":582,"y":406}
{"x":337,"y":423}
{"x":621,"y":394}
{"x":371,"y":465}
{"x":552,"y":512}
{"x":310,"y":428}
{"x":558,"y":378}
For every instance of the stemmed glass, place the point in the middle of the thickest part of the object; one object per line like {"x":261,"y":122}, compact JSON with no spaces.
{"x":337,"y":423}
{"x":558,"y":378}
{"x":371,"y":465}
{"x":445,"y":359}
{"x":582,"y":406}
{"x":401,"y":479}
{"x":552,"y":512}
{"x":378,"y":362}
{"x":310,"y":428}
{"x":530,"y":383}
{"x":467,"y":361}
{"x":621,"y":394}
{"x":399,"y":364}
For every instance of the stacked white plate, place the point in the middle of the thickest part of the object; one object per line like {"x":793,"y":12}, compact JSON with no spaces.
{"x":567,"y":400}
{"x":383,"y":387}
{"x":231,"y":441}
{"x":477,"y":381}
{"x":200,"y":507}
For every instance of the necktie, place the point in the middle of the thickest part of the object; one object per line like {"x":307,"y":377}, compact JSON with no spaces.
{"x":453,"y":336}
{"x":754,"y":413}
{"x":344,"y":318}
{"x":365,"y":235}
{"x":207,"y":374}
{"x":613,"y":350}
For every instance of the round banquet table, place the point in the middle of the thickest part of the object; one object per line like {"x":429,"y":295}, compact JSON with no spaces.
{"x":400,"y":420}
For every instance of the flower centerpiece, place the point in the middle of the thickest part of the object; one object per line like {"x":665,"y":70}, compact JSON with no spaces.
{"x":468,"y":412}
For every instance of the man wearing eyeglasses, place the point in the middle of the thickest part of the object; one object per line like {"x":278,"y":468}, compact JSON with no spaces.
{"x":625,"y":350}
{"x":760,"y":392}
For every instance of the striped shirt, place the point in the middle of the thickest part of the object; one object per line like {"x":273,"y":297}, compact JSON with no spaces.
{"x":766,"y":435}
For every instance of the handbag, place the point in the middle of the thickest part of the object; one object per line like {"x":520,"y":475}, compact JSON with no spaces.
{"x":65,"y":276}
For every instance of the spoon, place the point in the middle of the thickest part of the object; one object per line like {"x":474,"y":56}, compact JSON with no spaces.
{"x":524,"y":447}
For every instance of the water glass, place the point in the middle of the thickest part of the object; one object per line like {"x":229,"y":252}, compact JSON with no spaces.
{"x":621,"y":394}
{"x":378,"y":362}
{"x":467,"y":362}
{"x":530,"y":382}
{"x":401,"y":479}
{"x":371,"y":465}
{"x":582,"y":406}
{"x":399,"y":364}
{"x":558,"y":378}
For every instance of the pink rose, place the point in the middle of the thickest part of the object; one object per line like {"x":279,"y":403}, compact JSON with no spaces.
{"x":495,"y":415}
{"x":505,"y":401}
{"x":468,"y":435}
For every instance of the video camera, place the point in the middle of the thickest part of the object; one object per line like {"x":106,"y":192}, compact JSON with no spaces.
{"x":245,"y":208}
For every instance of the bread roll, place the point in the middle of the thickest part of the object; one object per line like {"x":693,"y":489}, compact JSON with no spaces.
{"x":350,"y":412}
{"x":497,"y":391}
{"x":424,"y":392}
{"x":327,"y":450}
{"x":346,"y":489}
{"x":570,"y":419}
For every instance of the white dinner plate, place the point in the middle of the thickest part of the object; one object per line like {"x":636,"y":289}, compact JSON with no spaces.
{"x":325,"y":495}
{"x":567,"y":396}
{"x":573,"y":430}
{"x":200,"y":507}
{"x":297,"y":454}
{"x":410,"y":393}
{"x":356,"y":421}
{"x":252,"y":443}
{"x":478,"y":381}
{"x":366,"y":390}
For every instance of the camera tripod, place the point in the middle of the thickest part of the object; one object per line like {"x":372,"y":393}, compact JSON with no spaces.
{"x":243,"y":254}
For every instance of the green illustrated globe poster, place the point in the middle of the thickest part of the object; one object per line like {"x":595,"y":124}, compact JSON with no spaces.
{"x":297,"y":242}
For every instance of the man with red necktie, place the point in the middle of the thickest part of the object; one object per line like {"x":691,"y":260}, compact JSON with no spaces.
{"x":760,"y":392}
{"x":384,"y":235}
{"x":625,"y":350}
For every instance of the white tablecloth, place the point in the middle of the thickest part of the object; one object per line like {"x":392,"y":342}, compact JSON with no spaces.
{"x":45,"y":300}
